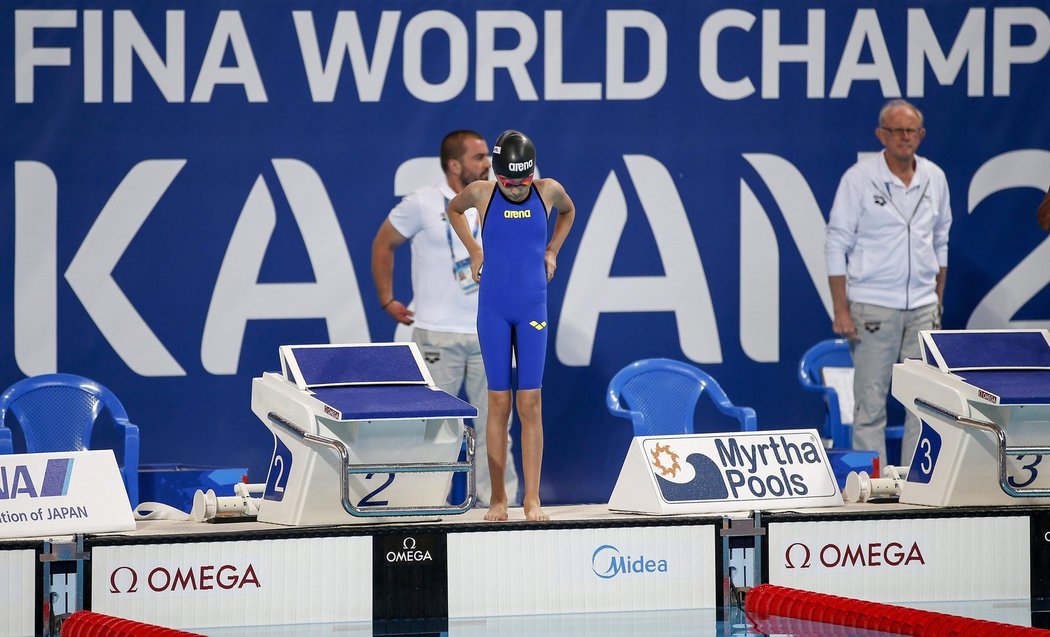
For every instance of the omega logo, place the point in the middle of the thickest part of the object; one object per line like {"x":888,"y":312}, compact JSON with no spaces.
{"x":409,"y":553}
{"x":872,"y":554}
{"x":160,"y":579}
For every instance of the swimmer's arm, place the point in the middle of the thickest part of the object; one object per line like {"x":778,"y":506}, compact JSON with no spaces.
{"x":566,"y":215}
{"x":559,"y":199}
{"x":475,"y":195}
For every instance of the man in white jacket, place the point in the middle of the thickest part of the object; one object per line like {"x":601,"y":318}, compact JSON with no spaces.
{"x":887,"y":258}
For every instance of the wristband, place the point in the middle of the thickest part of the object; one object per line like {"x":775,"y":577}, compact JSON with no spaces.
{"x":384,"y":306}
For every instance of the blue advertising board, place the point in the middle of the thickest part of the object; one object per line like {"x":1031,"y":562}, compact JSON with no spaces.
{"x":184,"y":187}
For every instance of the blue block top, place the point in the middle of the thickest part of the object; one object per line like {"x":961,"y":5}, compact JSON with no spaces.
{"x":372,"y":402}
{"x":341,"y":365}
{"x":993,"y":350}
{"x":1012,"y":386}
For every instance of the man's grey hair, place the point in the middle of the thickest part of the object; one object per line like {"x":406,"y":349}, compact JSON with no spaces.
{"x":892,"y":104}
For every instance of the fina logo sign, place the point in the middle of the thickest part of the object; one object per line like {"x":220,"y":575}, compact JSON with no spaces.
{"x":607,"y":562}
{"x":740,"y":467}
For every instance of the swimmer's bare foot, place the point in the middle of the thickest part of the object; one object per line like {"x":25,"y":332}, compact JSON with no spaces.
{"x":497,"y":512}
{"x":533,"y":512}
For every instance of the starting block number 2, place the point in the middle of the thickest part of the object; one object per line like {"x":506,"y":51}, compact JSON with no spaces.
{"x":280,"y":466}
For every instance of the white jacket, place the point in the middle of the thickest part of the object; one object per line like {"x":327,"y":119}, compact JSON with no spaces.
{"x":889,"y":240}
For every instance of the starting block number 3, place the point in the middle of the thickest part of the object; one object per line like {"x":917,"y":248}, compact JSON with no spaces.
{"x":924,"y":461}
{"x":1031,"y":472}
{"x":928,"y":448}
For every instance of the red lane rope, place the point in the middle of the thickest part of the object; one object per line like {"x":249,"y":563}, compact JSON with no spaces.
{"x":777,"y":606}
{"x":87,"y":624}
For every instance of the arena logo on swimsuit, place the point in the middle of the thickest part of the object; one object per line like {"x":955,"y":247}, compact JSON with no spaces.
{"x":517,"y":214}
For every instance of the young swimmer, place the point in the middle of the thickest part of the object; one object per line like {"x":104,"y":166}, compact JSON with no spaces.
{"x":518,"y":262}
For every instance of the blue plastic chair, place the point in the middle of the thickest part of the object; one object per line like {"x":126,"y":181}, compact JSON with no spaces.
{"x":833,"y":352}
{"x":659,"y":396}
{"x":59,"y":412}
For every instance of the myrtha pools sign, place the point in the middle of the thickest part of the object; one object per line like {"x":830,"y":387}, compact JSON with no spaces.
{"x":726,"y":472}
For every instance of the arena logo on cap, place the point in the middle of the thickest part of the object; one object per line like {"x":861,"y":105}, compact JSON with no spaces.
{"x":519,"y":166}
{"x":740,"y":467}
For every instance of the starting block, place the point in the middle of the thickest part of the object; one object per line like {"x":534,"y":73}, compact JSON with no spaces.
{"x":360,"y":432}
{"x":983,"y":398}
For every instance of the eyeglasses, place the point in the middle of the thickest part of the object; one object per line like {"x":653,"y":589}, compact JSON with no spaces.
{"x":510,"y":183}
{"x":901,"y":132}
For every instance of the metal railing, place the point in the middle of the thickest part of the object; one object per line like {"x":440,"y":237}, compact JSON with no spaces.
{"x":349,"y":469}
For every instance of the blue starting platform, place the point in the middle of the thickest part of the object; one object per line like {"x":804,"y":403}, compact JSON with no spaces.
{"x":360,"y":432}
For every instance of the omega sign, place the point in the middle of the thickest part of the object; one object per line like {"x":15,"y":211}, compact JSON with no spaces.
{"x":409,"y":553}
{"x":162,"y":579}
{"x":871,"y":555}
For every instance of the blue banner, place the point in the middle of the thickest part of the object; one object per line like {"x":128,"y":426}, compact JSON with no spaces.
{"x":185,"y":187}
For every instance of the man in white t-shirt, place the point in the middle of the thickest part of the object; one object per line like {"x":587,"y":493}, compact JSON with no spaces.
{"x":446,"y":296}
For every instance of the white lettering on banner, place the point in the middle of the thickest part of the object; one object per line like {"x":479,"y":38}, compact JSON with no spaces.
{"x":130,"y":41}
{"x":1004,"y":54}
{"x":412,"y":69}
{"x":513,"y":60}
{"x":760,"y":254}
{"x":346,"y":36}
{"x":866,"y":29}
{"x":682,"y":289}
{"x":28,"y":56}
{"x":238,"y":298}
{"x":1018,"y":169}
{"x":90,"y":273}
{"x":334,"y":296}
{"x":168,"y":73}
{"x":229,"y":29}
{"x":709,"y":76}
{"x":865,"y":34}
{"x":923,"y":47}
{"x":616,"y":85}
{"x":554,"y":87}
{"x":810,"y":53}
{"x":36,"y":268}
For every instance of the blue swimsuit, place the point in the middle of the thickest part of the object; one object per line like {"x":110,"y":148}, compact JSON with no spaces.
{"x":512,"y":298}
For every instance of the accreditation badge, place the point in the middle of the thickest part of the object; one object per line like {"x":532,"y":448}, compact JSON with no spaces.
{"x":461,"y":269}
